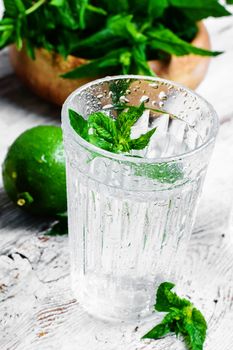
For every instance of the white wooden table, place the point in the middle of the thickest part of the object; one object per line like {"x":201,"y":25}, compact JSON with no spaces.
{"x":37,"y":309}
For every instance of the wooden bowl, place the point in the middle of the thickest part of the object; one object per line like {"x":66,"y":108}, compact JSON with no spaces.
{"x":42,"y":74}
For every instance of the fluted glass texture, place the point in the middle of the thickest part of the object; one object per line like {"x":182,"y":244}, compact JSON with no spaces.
{"x":130,"y":218}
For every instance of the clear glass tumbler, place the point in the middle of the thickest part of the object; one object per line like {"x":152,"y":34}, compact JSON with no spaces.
{"x":130,"y":217}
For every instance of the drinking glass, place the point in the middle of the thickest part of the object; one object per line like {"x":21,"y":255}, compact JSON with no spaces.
{"x":131,"y":217}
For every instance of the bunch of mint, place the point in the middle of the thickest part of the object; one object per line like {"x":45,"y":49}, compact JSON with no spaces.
{"x":182,"y":318}
{"x":116,"y":36}
{"x":110,"y":134}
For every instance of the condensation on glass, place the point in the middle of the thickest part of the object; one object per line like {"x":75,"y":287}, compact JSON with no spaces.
{"x":130,"y":218}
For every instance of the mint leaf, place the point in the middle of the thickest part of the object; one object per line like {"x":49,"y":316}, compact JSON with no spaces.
{"x":118,"y":89}
{"x":57,"y":3}
{"x":141,"y":65}
{"x":167,"y":325}
{"x":162,"y":172}
{"x":195,"y":330}
{"x":101,"y":143}
{"x":109,"y":134}
{"x":197,"y":10}
{"x":182,"y":318}
{"x":158,"y":331}
{"x":165,"y":299}
{"x":142,"y":141}
{"x":104,"y":126}
{"x":96,"y":67}
{"x":13,"y":7}
{"x":119,"y":6}
{"x":127,"y":119}
{"x":157,"y":7}
{"x":79,"y":124}
{"x":165,"y":40}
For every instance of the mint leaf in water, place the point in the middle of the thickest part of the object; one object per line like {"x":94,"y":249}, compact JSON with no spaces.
{"x":109,"y":134}
{"x":162,"y":172}
{"x":115,"y":136}
{"x":103,"y":126}
{"x":126,"y":119}
{"x":78,"y":123}
{"x":142,"y":141}
{"x":182,"y":318}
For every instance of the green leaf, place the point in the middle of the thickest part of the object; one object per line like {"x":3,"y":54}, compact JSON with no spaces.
{"x":118,"y":88}
{"x":57,"y":3}
{"x":165,"y":299}
{"x":19,"y":40}
{"x":127,"y":119}
{"x":197,"y":10}
{"x":95,"y":40}
{"x":66,"y":16}
{"x":166,"y":326}
{"x":95,"y":9}
{"x":30,"y":49}
{"x":96,"y":67}
{"x":163,"y":39}
{"x":123,"y":26}
{"x":78,"y":123}
{"x":101,"y":143}
{"x":104,"y":126}
{"x":162,"y":172}
{"x":181,"y":318}
{"x":141,"y":66}
{"x":5,"y":37}
{"x":13,"y":7}
{"x":195,"y":328}
{"x":156,"y":8}
{"x":119,"y":6}
{"x":158,"y":331}
{"x":142,"y":141}
{"x":10,"y":7}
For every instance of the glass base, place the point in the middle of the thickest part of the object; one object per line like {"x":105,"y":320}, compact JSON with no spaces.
{"x":119,"y":300}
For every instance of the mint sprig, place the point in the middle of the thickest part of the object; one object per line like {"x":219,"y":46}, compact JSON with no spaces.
{"x":115,"y":37}
{"x":109,"y":134}
{"x":182,"y":318}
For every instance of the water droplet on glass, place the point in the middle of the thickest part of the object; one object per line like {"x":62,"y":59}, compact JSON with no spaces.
{"x":161,"y":104}
{"x":154,"y":85}
{"x":162,"y":95}
{"x":145,"y":99}
{"x":123,"y":99}
{"x":109,"y":106}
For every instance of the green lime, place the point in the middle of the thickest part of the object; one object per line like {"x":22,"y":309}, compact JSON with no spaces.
{"x":34,"y":171}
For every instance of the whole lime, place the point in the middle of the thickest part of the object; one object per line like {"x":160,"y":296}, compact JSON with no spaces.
{"x":34,"y":171}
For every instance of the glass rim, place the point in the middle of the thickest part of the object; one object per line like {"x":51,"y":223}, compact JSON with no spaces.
{"x":134,"y":159}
